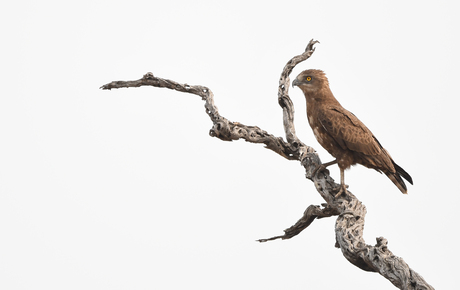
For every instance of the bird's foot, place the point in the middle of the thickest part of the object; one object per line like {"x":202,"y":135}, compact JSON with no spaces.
{"x":318,"y":168}
{"x":322,"y":167}
{"x":342,"y":190}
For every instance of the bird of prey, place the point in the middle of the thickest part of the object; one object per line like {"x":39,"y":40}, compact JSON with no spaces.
{"x":342,"y":134}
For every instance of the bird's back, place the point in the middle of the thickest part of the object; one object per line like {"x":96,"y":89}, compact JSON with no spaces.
{"x":345,"y":137}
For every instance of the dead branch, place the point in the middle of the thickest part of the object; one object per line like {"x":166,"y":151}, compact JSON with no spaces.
{"x":350,"y":211}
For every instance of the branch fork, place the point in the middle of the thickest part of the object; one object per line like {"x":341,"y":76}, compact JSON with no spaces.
{"x":349,"y":210}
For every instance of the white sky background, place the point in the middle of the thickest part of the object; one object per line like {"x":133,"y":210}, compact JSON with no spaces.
{"x":125,"y":189}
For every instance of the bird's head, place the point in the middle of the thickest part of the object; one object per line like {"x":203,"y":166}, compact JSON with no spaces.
{"x":311,"y":81}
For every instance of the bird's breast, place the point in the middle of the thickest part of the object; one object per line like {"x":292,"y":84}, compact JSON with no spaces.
{"x":318,"y":135}
{"x":325,"y":140}
{"x":322,"y":136}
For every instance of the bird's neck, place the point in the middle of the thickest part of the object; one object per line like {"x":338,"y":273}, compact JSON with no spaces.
{"x":321,"y":97}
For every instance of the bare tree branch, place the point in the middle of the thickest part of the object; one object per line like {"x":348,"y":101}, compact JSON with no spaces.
{"x":311,"y":213}
{"x":222,"y":128}
{"x":350,"y":211}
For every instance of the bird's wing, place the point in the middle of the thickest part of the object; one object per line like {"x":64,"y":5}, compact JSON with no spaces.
{"x":348,"y":131}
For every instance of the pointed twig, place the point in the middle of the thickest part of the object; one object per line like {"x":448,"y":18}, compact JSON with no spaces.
{"x":311,"y":213}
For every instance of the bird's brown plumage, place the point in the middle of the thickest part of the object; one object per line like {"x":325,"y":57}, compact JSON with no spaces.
{"x":342,"y":134}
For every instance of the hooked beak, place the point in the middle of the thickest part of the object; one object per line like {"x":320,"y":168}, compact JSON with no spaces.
{"x":295,"y":83}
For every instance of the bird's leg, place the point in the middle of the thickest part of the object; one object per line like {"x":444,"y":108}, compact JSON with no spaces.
{"x":323,"y":166}
{"x":343,"y":186}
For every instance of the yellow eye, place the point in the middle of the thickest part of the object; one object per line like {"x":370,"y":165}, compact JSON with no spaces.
{"x":308,"y":79}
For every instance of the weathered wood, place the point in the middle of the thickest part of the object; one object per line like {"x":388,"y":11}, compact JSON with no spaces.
{"x":350,"y":211}
{"x":222,"y":127}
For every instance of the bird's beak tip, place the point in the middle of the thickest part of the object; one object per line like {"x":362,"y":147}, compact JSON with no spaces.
{"x":295,"y":83}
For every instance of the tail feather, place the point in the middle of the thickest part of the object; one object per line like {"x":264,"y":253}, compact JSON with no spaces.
{"x":397,"y":180}
{"x":403,"y":173}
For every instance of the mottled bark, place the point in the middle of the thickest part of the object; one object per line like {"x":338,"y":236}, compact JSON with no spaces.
{"x":350,"y":211}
